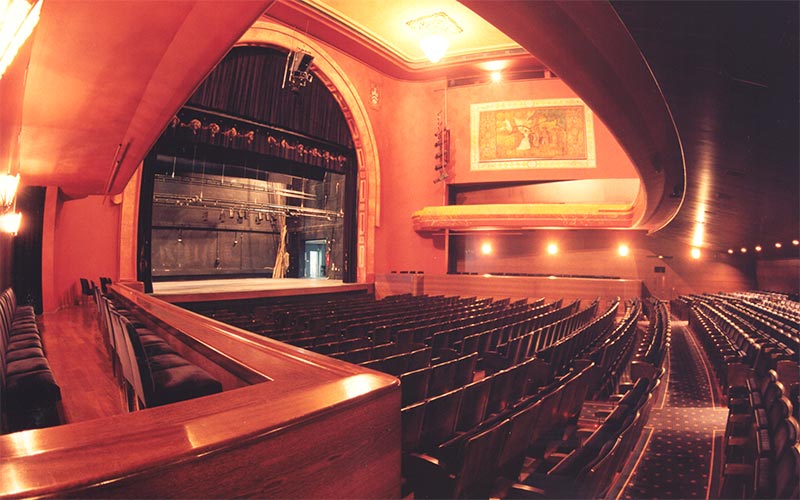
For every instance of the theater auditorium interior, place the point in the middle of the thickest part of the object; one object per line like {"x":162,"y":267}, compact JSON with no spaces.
{"x":399,"y":249}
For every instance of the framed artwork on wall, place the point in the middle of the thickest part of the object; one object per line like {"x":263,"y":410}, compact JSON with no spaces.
{"x":532,"y":134}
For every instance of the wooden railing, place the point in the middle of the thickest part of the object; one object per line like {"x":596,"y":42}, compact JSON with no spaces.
{"x":290,"y":423}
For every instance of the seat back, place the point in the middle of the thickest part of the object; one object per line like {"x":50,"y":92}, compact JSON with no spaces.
{"x":440,"y":418}
{"x":411,"y":420}
{"x":476,"y":474}
{"x":473,"y":404}
{"x":414,"y":385}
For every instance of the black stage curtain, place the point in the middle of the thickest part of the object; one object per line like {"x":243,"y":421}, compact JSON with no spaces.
{"x":247,"y":83}
{"x":27,"y":275}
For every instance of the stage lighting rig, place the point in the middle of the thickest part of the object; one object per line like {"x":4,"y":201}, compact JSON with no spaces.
{"x":297,"y":74}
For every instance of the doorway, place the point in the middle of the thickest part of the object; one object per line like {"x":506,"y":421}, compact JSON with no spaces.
{"x":315,"y":262}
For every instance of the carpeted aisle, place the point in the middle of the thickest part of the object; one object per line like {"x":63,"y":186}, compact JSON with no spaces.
{"x":677,"y":460}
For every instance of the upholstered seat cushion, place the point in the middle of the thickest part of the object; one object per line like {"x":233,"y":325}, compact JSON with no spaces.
{"x":182,"y":383}
{"x":31,"y":390}
{"x":30,"y":352}
{"x":25,"y":329}
{"x":16,"y":344}
{"x":26,"y":365}
{"x":166,"y":361}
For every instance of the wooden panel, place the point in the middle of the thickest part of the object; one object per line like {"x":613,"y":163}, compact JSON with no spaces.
{"x":778,"y":275}
{"x":516,"y":287}
{"x":397,"y":284}
{"x":318,"y":428}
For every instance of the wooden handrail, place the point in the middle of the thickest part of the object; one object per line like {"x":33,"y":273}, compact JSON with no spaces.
{"x":316,"y":427}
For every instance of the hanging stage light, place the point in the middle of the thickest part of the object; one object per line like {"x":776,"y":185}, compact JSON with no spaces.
{"x":296,"y":74}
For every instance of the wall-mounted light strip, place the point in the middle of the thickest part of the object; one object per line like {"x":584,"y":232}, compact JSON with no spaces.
{"x":17,"y":20}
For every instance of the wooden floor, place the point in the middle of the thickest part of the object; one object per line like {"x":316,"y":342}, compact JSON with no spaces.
{"x":80,"y":363}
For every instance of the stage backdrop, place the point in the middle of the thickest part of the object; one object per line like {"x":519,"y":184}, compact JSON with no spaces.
{"x":548,"y":133}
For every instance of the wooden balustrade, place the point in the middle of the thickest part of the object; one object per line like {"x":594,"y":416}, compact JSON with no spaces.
{"x":290,"y":423}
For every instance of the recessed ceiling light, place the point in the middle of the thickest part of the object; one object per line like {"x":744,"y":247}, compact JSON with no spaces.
{"x":778,"y":245}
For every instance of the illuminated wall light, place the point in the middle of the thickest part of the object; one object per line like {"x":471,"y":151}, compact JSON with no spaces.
{"x":623,"y":250}
{"x":698,"y":235}
{"x":743,"y":250}
{"x":10,"y":222}
{"x":486,"y":248}
{"x":730,"y":251}
{"x":795,"y":242}
{"x":552,"y":248}
{"x":8,"y":189}
{"x":758,"y":248}
{"x":496,"y":76}
{"x":695,"y":253}
{"x":18,"y":18}
{"x":778,"y":245}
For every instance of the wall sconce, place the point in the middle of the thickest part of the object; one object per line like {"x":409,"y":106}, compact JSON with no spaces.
{"x":10,"y":219}
{"x":8,"y":190}
{"x":17,"y":20}
{"x":10,"y":222}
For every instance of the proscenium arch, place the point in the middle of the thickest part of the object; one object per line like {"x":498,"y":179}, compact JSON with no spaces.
{"x":265,"y":33}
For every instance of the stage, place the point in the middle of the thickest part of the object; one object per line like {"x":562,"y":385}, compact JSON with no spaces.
{"x":250,"y":288}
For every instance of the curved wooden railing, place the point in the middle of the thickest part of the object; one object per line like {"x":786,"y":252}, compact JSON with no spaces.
{"x":290,"y":423}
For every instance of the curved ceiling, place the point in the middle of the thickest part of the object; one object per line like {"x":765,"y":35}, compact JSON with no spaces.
{"x":101,"y":74}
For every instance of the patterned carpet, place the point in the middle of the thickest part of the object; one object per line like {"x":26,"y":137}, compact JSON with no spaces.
{"x":677,"y":460}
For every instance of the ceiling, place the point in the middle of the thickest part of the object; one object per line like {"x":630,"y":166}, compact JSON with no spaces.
{"x":387,"y":24}
{"x":726,"y":72}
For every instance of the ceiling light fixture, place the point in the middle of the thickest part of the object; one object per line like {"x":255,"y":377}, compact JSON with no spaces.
{"x":552,"y":248}
{"x":17,"y":20}
{"x":795,"y":242}
{"x":695,"y":253}
{"x":435,"y":30}
{"x":778,"y":245}
{"x":730,"y":251}
{"x":623,"y":250}
{"x":496,"y":76}
{"x":758,"y":248}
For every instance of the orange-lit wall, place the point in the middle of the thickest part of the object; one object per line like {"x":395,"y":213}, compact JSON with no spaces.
{"x":404,"y":121}
{"x":780,"y":275}
{"x":594,"y":253}
{"x":84,"y":236}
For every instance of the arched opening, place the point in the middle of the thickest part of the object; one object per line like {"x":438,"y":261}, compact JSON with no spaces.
{"x":254,"y":179}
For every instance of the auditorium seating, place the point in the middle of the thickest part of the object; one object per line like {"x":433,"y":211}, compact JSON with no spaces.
{"x":753,"y":347}
{"x":151,"y":371}
{"x":484,"y":383}
{"x":29,"y":394}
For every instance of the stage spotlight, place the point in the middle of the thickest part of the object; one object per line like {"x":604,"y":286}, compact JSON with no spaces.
{"x":296,"y":74}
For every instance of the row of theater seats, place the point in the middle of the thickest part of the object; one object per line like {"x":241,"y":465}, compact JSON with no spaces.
{"x":589,"y":469}
{"x":29,"y":394}
{"x":150,"y":370}
{"x":754,"y":352}
{"x":466,"y":463}
{"x":458,"y":444}
{"x":452,"y":369}
{"x":762,"y":453}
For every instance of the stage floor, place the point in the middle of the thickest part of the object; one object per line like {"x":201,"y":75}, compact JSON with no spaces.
{"x":243,"y":288}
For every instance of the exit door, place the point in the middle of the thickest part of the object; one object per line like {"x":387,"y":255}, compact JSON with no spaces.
{"x":315,"y":259}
